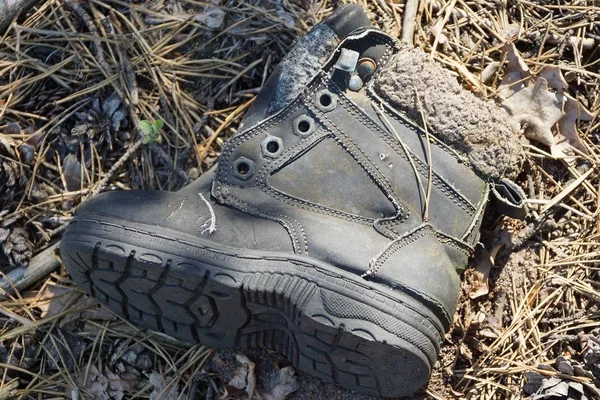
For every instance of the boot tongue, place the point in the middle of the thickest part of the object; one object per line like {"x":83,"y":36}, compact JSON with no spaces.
{"x":303,"y":61}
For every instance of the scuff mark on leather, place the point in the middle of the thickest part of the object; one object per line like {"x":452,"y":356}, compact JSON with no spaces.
{"x":210,"y":225}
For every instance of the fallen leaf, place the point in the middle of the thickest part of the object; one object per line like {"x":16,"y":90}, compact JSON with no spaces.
{"x":567,"y":129}
{"x":564,"y":366}
{"x":535,"y":108}
{"x":558,"y":389}
{"x":540,"y":106}
{"x":484,"y":263}
{"x":555,"y":78}
{"x":72,"y":172}
{"x":119,"y":385}
{"x":286,"y":383}
{"x":163,"y":390}
{"x":244,"y":378}
{"x":510,"y":30}
{"x":515,"y":61}
{"x":212,"y":17}
{"x":95,"y":385}
{"x":53,"y":299}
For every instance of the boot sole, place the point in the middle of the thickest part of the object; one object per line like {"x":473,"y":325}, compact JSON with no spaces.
{"x":328,"y":323}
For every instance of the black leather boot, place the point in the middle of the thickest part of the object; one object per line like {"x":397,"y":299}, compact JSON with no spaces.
{"x":318,"y":234}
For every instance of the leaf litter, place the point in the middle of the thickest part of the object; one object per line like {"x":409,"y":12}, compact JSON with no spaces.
{"x":539,"y":106}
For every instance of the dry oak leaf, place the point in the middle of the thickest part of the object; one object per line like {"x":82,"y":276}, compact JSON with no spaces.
{"x":515,"y":61}
{"x":566,"y":131}
{"x":548,"y":116}
{"x":163,"y":390}
{"x":535,"y":108}
{"x":212,"y":17}
{"x":243,"y":382}
{"x":568,"y":135}
{"x":54,"y":299}
{"x":119,"y":385}
{"x":286,"y":384}
{"x":91,"y":385}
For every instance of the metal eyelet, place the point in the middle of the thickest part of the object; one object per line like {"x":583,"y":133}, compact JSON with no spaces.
{"x":366,"y":66}
{"x":325,"y":100}
{"x":304,"y":126}
{"x":243,"y":168}
{"x":271,"y":147}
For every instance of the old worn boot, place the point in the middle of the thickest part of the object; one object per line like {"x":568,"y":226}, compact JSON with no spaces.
{"x":332,"y":229}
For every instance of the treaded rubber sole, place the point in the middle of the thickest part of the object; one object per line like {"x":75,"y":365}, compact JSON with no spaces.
{"x":326,"y":324}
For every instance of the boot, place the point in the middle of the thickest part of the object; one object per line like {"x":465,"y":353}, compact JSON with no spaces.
{"x":333,"y":229}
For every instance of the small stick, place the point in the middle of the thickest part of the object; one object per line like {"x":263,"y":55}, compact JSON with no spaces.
{"x":408,"y":21}
{"x":89,"y":23}
{"x":124,"y":158}
{"x":160,"y":152}
{"x":39,"y":267}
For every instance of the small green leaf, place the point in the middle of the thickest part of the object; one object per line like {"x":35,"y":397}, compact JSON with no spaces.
{"x":147,"y":127}
{"x":147,"y":139}
{"x":159,"y":123}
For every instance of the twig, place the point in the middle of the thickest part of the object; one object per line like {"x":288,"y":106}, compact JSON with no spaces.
{"x":557,"y":199}
{"x":124,"y":158}
{"x":409,"y":20}
{"x":445,"y":20}
{"x":39,"y":267}
{"x":170,"y":164}
{"x":89,"y":23}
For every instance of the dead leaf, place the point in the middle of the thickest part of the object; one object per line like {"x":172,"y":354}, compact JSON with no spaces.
{"x":516,"y":64}
{"x":564,"y":366}
{"x":94,"y":386}
{"x":555,"y":78}
{"x":485,"y":262}
{"x":556,"y":388}
{"x":510,"y":31}
{"x":286,"y":383}
{"x":535,"y":108}
{"x":119,"y":385}
{"x":540,"y":106}
{"x":244,"y":378}
{"x":72,"y":172}
{"x":212,"y":17}
{"x":163,"y":390}
{"x":567,"y":129}
{"x":53,"y":299}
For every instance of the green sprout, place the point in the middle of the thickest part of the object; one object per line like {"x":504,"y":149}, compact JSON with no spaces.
{"x":151,"y":130}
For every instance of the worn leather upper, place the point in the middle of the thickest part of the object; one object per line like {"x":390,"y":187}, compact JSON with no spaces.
{"x":338,"y":176}
{"x":349,"y":181}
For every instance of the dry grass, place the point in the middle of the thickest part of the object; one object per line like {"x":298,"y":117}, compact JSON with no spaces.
{"x":160,"y":61}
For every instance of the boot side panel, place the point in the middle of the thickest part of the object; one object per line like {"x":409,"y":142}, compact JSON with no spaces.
{"x":419,"y":264}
